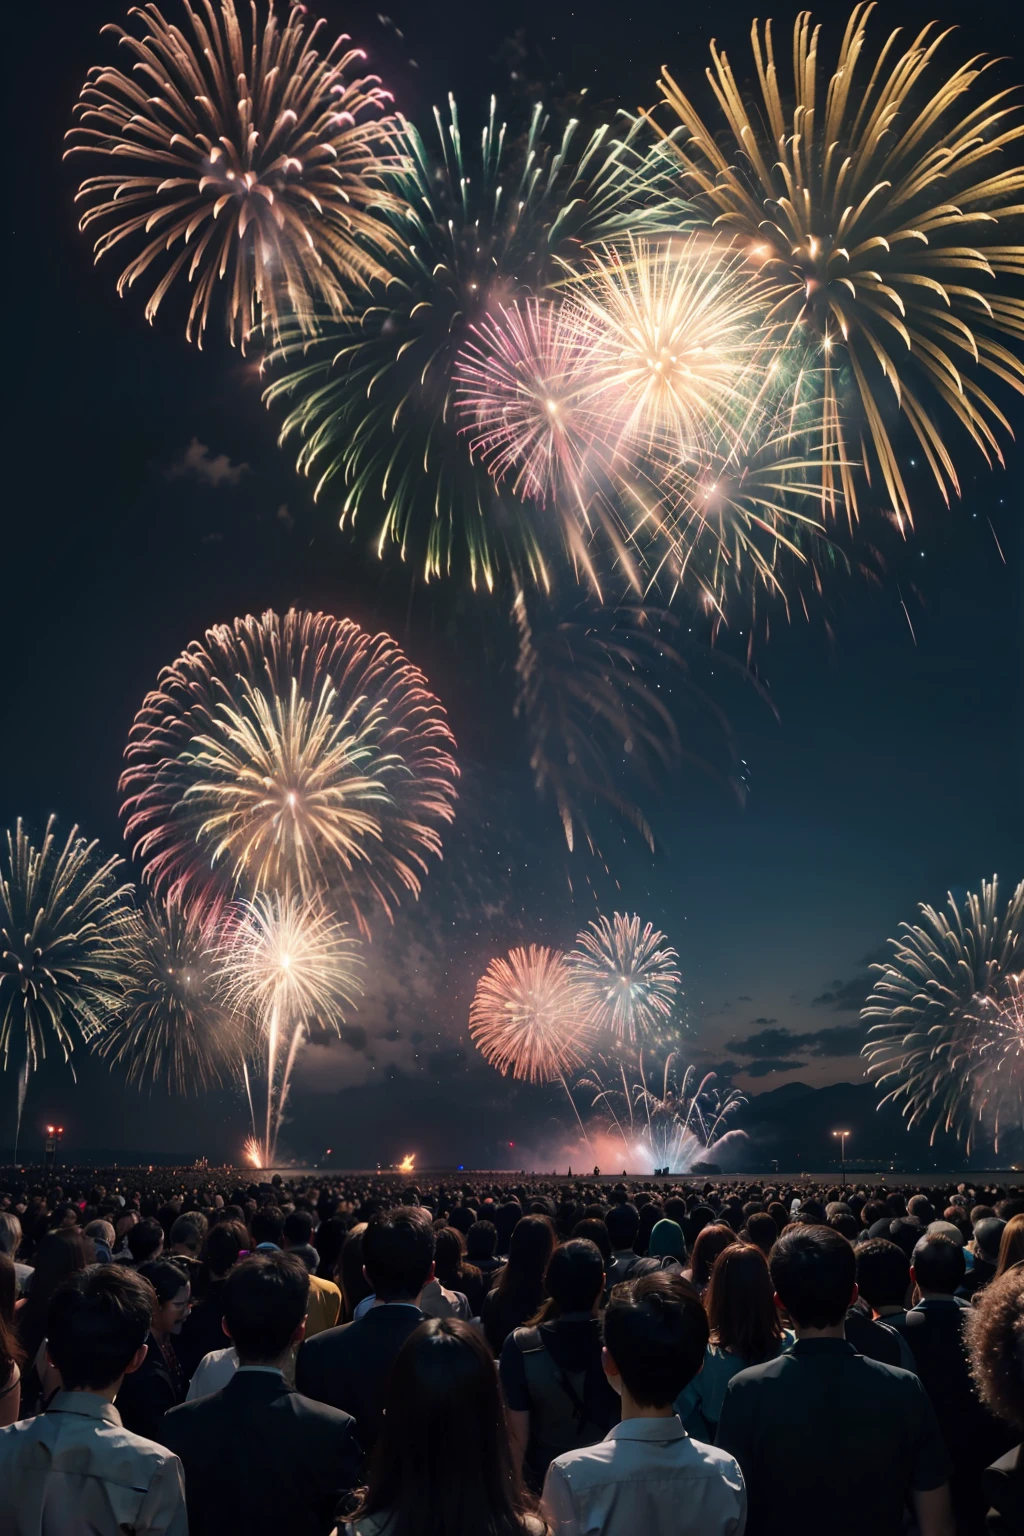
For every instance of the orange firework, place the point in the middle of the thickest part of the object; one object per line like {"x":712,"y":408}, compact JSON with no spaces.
{"x":524,"y":1019}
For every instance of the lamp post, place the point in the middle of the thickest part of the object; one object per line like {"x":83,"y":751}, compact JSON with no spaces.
{"x":53,"y":1136}
{"x":842,"y":1135}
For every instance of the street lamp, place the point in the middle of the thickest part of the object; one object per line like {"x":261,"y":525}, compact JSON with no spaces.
{"x":842,"y":1152}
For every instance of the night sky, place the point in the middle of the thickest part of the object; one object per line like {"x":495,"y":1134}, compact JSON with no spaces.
{"x":147,"y":499}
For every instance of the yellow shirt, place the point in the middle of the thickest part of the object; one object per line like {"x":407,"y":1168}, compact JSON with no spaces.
{"x":324,"y":1305}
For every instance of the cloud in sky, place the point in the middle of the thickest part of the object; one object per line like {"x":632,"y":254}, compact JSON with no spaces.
{"x":196,"y":462}
{"x":773,"y":1043}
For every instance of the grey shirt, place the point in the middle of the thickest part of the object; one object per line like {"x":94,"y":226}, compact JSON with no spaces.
{"x":648,"y":1476}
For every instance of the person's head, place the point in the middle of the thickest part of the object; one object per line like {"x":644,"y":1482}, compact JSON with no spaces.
{"x":481,"y":1241}
{"x":266,"y":1298}
{"x":59,"y":1256}
{"x":711,"y":1241}
{"x":988,"y":1238}
{"x":96,"y":1327}
{"x":171,"y":1286}
{"x":224,"y":1243}
{"x":11,"y":1352}
{"x":297,"y":1230}
{"x":442,"y":1462}
{"x":762,"y":1231}
{"x":667,"y":1241}
{"x":449,"y":1252}
{"x":883,"y":1273}
{"x":187,"y":1233}
{"x":145,"y":1241}
{"x":920,"y":1208}
{"x":10,"y":1234}
{"x":814,"y":1272}
{"x":1011,"y":1246}
{"x":101,"y":1235}
{"x":349,"y":1273}
{"x":594,"y":1230}
{"x":574,"y":1279}
{"x":267,"y":1226}
{"x":398,"y":1255}
{"x":655,"y":1333}
{"x":530,"y":1248}
{"x":623,"y":1223}
{"x":995,"y":1339}
{"x":937,"y":1265}
{"x":741,"y":1304}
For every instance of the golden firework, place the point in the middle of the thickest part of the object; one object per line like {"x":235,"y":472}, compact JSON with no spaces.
{"x":524,"y":1019}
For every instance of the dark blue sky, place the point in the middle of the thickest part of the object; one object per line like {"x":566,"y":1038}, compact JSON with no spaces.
{"x":892,"y":774}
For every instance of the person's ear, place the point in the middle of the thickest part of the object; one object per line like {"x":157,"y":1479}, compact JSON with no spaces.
{"x":611,"y":1370}
{"x":225,"y":1330}
{"x":779,"y":1303}
{"x":913,"y":1275}
{"x":299,"y":1334}
{"x":136,"y":1359}
{"x":856,"y":1293}
{"x":366,"y":1277}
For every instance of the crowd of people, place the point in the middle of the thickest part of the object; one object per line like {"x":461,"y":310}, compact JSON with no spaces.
{"x":186,"y":1351}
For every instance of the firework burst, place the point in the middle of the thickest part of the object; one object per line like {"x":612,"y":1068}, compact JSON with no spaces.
{"x":625,"y":977}
{"x":524,"y":1019}
{"x":372,"y":404}
{"x":286,"y":965}
{"x":991,"y":1047}
{"x":879,"y":210}
{"x":296,"y":751}
{"x":662,"y":1120}
{"x":173,"y":1025}
{"x":240,"y":155}
{"x":924,"y":1009}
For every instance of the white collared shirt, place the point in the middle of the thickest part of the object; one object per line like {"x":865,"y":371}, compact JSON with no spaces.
{"x":75,"y":1470}
{"x":648,"y":1476}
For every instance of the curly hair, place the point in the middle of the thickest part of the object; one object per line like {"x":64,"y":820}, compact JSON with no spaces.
{"x":995,"y":1335}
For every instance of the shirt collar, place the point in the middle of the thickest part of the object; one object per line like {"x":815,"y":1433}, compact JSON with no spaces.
{"x":87,"y":1404}
{"x":266,"y":1370}
{"x":648,"y":1429}
{"x":823,"y":1347}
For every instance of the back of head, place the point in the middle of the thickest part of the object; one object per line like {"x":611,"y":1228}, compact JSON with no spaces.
{"x":995,"y":1338}
{"x":267,"y":1226}
{"x":939,"y":1264}
{"x":96,"y":1323}
{"x":883,"y":1273}
{"x":921,"y":1209}
{"x":58,"y":1256}
{"x":10,"y":1234}
{"x":667,"y":1241}
{"x":188,"y":1231}
{"x":1011,"y":1244}
{"x":298,"y":1228}
{"x":623,"y":1223}
{"x":656,"y":1331}
{"x":762,"y":1230}
{"x":145,"y":1240}
{"x":575,"y":1276}
{"x":711,"y":1241}
{"x":481,"y":1240}
{"x":398,"y":1253}
{"x":988,"y":1237}
{"x":449,"y":1248}
{"x":813,"y":1270}
{"x":166,"y":1278}
{"x":741,"y":1305}
{"x":442,"y":1462}
{"x":594,"y":1230}
{"x":224,"y":1243}
{"x":266,"y":1298}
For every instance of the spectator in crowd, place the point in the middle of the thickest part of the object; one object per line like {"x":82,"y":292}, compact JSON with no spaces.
{"x":883,"y":1279}
{"x":10,"y":1242}
{"x":258,"y":1421}
{"x":1011,"y":1246}
{"x":201,"y":1332}
{"x":435,"y":1300}
{"x":934,"y":1331}
{"x":348,"y":1367}
{"x":324,"y":1295}
{"x":711,"y":1240}
{"x":555,"y":1387}
{"x":668,"y":1244}
{"x":647,"y":1475}
{"x":75,"y":1468}
{"x":159,"y":1383}
{"x":11,"y":1354}
{"x":350,"y":1274}
{"x":481,"y":1245}
{"x":145,"y":1241}
{"x":442,"y":1462}
{"x":329,"y":1240}
{"x":100,"y":1234}
{"x":995,"y":1337}
{"x":267,"y":1228}
{"x":761,"y":1231}
{"x":985,"y":1245}
{"x":59,"y":1256}
{"x":623,"y":1223}
{"x":745,"y":1330}
{"x":801,"y":1420}
{"x":456,"y":1276}
{"x":518,"y":1292}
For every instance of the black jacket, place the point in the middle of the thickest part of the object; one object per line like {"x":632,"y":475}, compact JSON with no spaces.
{"x":262,"y":1460}
{"x":349,"y":1366}
{"x":1004,"y":1494}
{"x":148,"y":1394}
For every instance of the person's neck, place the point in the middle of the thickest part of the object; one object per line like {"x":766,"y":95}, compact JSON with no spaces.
{"x":277,"y":1364}
{"x":836,"y":1331}
{"x":631,"y":1409}
{"x":397,"y":1301}
{"x":890,"y":1309}
{"x":935,"y":1295}
{"x":105,"y":1394}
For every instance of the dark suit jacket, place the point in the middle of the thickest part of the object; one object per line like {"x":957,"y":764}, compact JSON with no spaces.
{"x":349,"y":1366}
{"x":1004,"y":1491}
{"x":262,"y":1460}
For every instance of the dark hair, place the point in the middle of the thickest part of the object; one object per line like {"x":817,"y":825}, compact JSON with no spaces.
{"x":531,"y":1247}
{"x":1011,"y":1245}
{"x":96,"y":1322}
{"x":265,"y":1299}
{"x":144,"y":1239}
{"x":995,"y":1338}
{"x":741,"y":1305}
{"x":442,"y":1463}
{"x":58,"y":1257}
{"x":762,"y":1231}
{"x":939,"y":1264}
{"x":267,"y":1226}
{"x":656,"y":1331}
{"x":596,"y":1232}
{"x":189,"y":1228}
{"x":574,"y":1277}
{"x":623,"y":1223}
{"x":348,"y":1273}
{"x":330,"y":1239}
{"x":449,"y":1259}
{"x":883,"y":1273}
{"x":224,"y":1243}
{"x":398,"y":1253}
{"x":481,"y":1240}
{"x":814,"y":1271}
{"x":166,"y":1278}
{"x":711,"y":1241}
{"x":298,"y":1228}
{"x":11,"y":1352}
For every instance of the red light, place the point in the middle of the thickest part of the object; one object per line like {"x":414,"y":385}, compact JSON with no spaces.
{"x":49,"y":1130}
{"x":60,"y":1130}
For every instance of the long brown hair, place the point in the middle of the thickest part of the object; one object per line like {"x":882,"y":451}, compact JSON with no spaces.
{"x":711,"y":1241}
{"x":741,"y":1304}
{"x":11,"y":1352}
{"x":443,"y":1465}
{"x":530,"y":1248}
{"x":59,"y":1255}
{"x":1011,"y":1246}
